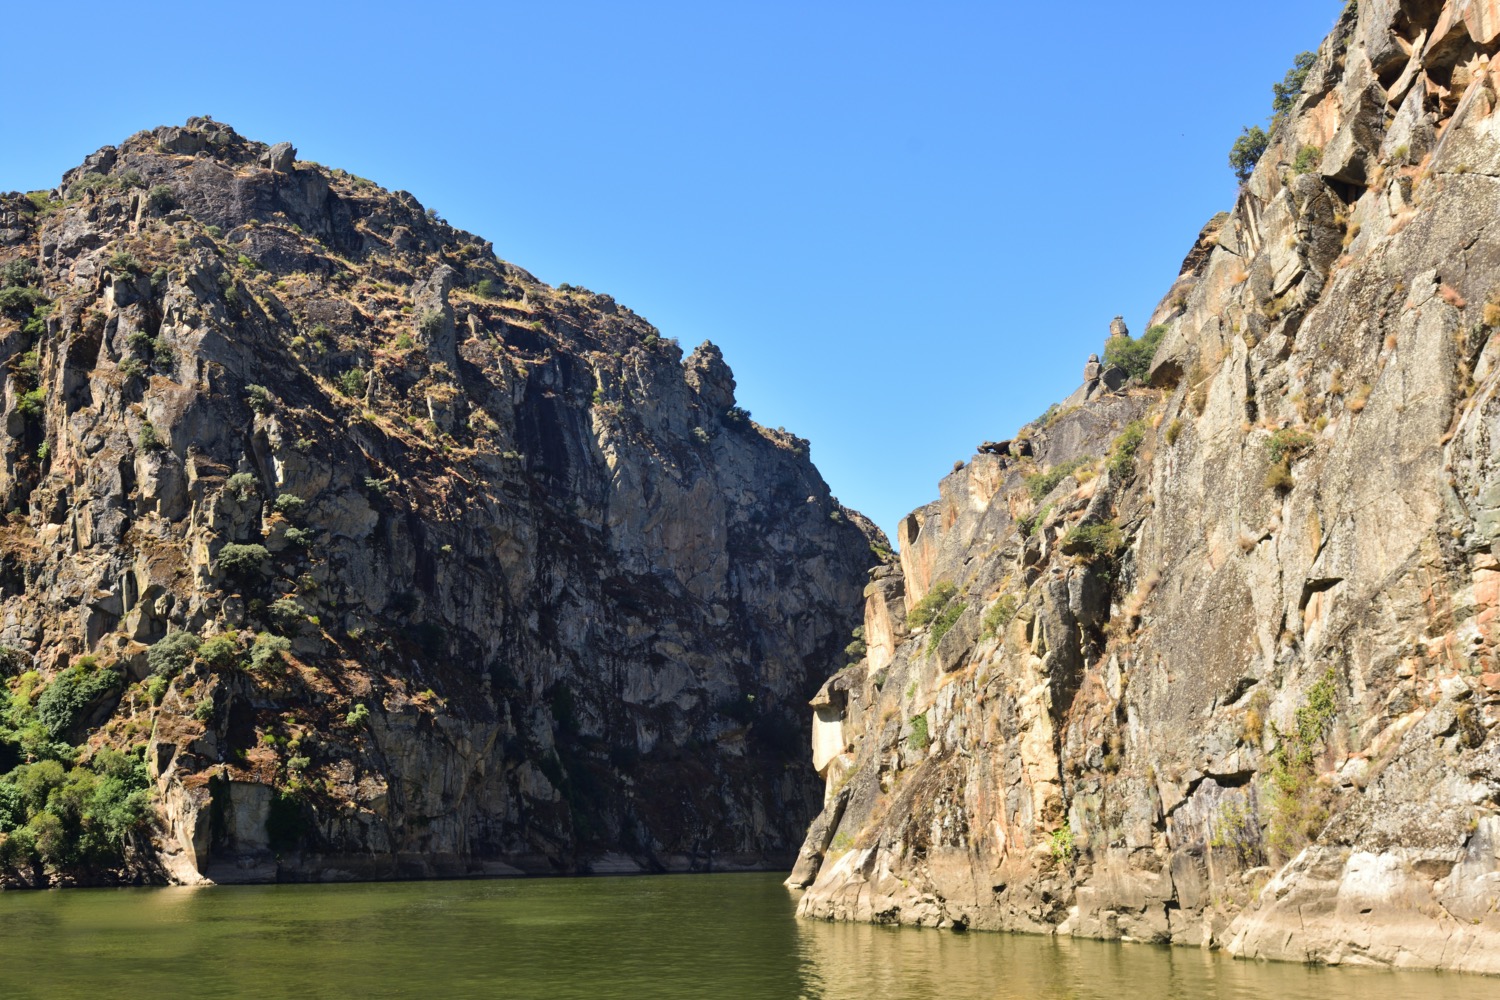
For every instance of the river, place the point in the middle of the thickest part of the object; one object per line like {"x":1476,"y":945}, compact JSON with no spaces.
{"x":706,"y":936}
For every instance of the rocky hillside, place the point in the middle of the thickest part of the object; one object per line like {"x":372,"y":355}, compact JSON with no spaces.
{"x":1210,"y":658}
{"x":335,"y":546}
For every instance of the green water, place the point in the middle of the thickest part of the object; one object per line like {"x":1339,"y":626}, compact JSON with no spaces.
{"x":730,"y":936}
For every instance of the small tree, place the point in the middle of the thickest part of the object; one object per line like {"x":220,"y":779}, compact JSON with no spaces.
{"x":1247,"y":151}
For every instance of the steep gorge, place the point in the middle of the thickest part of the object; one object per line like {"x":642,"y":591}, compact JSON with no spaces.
{"x":340,"y":548}
{"x":1210,"y":658}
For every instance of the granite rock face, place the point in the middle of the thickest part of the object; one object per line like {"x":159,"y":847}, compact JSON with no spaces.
{"x":492,"y":578}
{"x":1228,"y":677}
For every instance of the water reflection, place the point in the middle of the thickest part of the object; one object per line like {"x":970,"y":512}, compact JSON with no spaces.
{"x":730,"y":936}
{"x":860,"y":962}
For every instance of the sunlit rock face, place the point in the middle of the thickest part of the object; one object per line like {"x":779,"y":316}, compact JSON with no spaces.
{"x":1232,"y":680}
{"x":500,"y":580}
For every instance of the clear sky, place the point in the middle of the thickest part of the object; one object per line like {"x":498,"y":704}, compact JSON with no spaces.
{"x":907,"y":226}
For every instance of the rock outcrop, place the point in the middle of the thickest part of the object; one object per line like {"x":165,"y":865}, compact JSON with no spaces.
{"x":378,"y":556}
{"x":1219,"y":666}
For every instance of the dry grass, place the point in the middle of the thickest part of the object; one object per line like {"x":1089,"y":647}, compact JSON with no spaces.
{"x":1358,"y":398}
{"x":1451,"y":296}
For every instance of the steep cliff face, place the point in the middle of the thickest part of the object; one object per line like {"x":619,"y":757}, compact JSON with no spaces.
{"x":1232,"y":680}
{"x":388,"y":558}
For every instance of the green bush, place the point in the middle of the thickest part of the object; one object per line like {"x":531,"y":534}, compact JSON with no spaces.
{"x":1307,"y":159}
{"x":998,"y":616}
{"x":260,"y":398}
{"x":242,"y":486}
{"x":1288,"y":443}
{"x":919,"y":739}
{"x":288,"y":504}
{"x":150,"y":440}
{"x":943,"y":623}
{"x":74,"y":691}
{"x":243,"y":560}
{"x":1061,"y":843}
{"x":353,"y":382}
{"x":1284,"y":94}
{"x":430,"y":325}
{"x":1134,"y":356}
{"x":286,"y":615}
{"x":358,"y":717}
{"x":1298,"y":800}
{"x":221,"y":652}
{"x":1094,"y":541}
{"x":931,"y":604}
{"x":124,"y":263}
{"x":265,"y":652}
{"x":161,"y":198}
{"x":1247,"y":151}
{"x":172,"y":654}
{"x":1039,"y":484}
{"x":156,"y":689}
{"x":1122,"y":453}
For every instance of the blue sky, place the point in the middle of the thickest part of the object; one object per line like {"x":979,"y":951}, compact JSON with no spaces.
{"x":906,"y":226}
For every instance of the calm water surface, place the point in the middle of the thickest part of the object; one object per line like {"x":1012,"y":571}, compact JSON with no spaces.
{"x":731,"y":936}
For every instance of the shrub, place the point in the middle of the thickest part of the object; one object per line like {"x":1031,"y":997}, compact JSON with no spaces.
{"x":243,"y":560}
{"x":943,"y":623}
{"x":353,"y":382}
{"x":1061,"y":843}
{"x":173,"y":654}
{"x":288,"y":504}
{"x":150,"y":440}
{"x":220,"y":652}
{"x":161,"y":198}
{"x":430,"y":324}
{"x":156,"y":689}
{"x":358,"y":717}
{"x":998,"y":616}
{"x":124,"y":263}
{"x":259,"y":398}
{"x":73,"y":693}
{"x":1134,"y":356}
{"x":489,"y":288}
{"x":32,"y":403}
{"x":242,"y":486}
{"x":1247,"y":151}
{"x":1284,"y":94}
{"x":1298,"y":802}
{"x":919,"y":739}
{"x":266,"y":650}
{"x":1286,"y":444}
{"x":1039,"y":484}
{"x":286,"y":614}
{"x":1174,"y":429}
{"x":1028,"y":525}
{"x":1307,"y":159}
{"x":1122,"y":453}
{"x":928,"y":608}
{"x":1094,"y":541}
{"x":300,"y":537}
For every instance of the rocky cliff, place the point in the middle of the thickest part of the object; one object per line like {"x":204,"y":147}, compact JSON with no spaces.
{"x":334,"y":546}
{"x":1210,"y":658}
